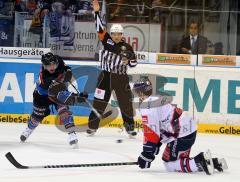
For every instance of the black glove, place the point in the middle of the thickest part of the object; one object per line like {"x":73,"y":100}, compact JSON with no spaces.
{"x":145,"y":159}
{"x":152,"y":147}
{"x":82,"y":97}
{"x":126,"y":54}
{"x":157,"y":148}
{"x":55,"y":87}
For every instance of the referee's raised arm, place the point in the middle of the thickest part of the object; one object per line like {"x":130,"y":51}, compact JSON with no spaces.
{"x":101,"y":30}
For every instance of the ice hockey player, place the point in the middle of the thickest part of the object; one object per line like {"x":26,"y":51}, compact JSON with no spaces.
{"x":116,"y":57}
{"x":165,"y":123}
{"x":51,"y":90}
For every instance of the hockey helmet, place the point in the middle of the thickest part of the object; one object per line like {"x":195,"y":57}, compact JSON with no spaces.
{"x":144,"y":86}
{"x":49,"y":61}
{"x":116,"y":28}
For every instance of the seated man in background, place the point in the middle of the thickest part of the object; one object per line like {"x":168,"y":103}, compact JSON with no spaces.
{"x":193,"y":43}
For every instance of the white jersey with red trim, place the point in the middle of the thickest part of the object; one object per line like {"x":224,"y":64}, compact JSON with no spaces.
{"x":164,"y":122}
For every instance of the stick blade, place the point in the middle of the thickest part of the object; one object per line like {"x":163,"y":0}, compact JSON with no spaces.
{"x":11,"y":159}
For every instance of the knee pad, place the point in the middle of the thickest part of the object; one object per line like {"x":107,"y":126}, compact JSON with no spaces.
{"x":180,"y":165}
{"x":40,"y":112}
{"x":66,"y":117}
{"x":166,"y":154}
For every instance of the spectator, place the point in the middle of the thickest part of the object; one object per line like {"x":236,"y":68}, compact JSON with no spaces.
{"x":43,"y":8}
{"x":218,"y":48}
{"x":157,"y":9}
{"x":19,"y":5}
{"x":142,"y":9}
{"x":6,"y":7}
{"x":193,"y":43}
{"x":122,"y":10}
{"x":84,"y":7}
{"x":115,"y":9}
{"x":210,"y":47}
{"x":31,"y":6}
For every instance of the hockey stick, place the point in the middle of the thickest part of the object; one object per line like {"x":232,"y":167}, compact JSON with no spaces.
{"x":105,"y":115}
{"x":11,"y":159}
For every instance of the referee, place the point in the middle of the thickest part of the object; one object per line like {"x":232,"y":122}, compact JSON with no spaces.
{"x":115,"y":58}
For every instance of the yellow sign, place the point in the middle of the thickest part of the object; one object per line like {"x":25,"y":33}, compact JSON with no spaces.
{"x":173,"y":58}
{"x":219,"y":60}
{"x":219,"y":129}
{"x":118,"y":123}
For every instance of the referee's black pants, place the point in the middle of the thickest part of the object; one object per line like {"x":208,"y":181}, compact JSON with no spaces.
{"x":107,"y":82}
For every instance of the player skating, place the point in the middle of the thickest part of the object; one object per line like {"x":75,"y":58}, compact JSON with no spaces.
{"x":53,"y":71}
{"x":165,"y":123}
{"x":115,"y":58}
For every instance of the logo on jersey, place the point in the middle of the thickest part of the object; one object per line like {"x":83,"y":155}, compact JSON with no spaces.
{"x":109,"y":41}
{"x":166,"y":119}
{"x":99,"y":93}
{"x":144,"y":119}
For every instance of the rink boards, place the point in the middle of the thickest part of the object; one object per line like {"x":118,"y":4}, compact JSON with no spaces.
{"x":210,"y":94}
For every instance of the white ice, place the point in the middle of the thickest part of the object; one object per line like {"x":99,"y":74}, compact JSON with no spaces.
{"x":48,"y":145}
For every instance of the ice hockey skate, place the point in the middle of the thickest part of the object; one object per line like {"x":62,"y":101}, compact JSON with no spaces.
{"x":25,"y":134}
{"x":131,"y":133}
{"x":73,"y":139}
{"x":91,"y":132}
{"x":220,"y":164}
{"x":205,"y":162}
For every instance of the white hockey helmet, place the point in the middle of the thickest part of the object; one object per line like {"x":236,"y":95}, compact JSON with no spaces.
{"x":116,"y":28}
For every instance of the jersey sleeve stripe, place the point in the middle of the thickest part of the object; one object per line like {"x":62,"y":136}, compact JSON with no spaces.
{"x":150,"y":135}
{"x":99,"y":26}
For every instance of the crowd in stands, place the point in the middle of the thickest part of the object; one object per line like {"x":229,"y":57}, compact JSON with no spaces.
{"x":117,"y":8}
{"x":143,"y":11}
{"x":76,"y":6}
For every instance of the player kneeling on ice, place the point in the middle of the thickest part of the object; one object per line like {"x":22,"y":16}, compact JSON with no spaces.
{"x":165,"y":123}
{"x":51,"y":90}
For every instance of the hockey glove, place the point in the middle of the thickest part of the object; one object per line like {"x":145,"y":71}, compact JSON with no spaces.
{"x":145,"y":159}
{"x":152,"y":147}
{"x":56,"y":87}
{"x":126,"y":54}
{"x":157,"y":148}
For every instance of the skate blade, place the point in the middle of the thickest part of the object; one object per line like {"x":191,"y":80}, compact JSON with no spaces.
{"x":75,"y":141}
{"x":223,"y":163}
{"x":75,"y":146}
{"x":91,"y":134}
{"x":208,"y":157}
{"x":131,"y":136}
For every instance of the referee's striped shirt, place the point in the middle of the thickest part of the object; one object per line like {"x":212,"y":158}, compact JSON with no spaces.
{"x":112,"y":62}
{"x":111,"y":56}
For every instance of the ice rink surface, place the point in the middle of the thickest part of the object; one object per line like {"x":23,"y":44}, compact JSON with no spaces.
{"x":47,"y":145}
